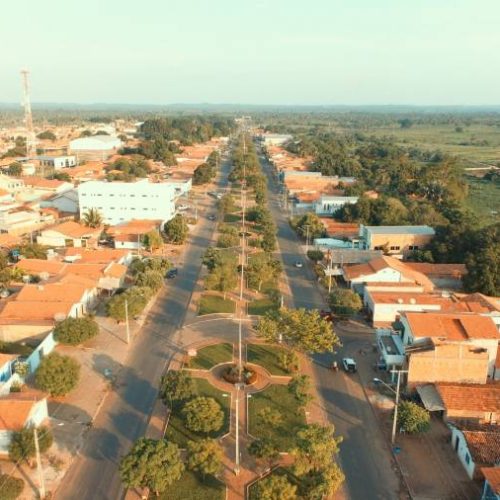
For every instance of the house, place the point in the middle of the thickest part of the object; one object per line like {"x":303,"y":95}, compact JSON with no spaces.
{"x":76,"y":293}
{"x":469,"y":329}
{"x":97,"y":147}
{"x":13,"y":185}
{"x":328,"y":204}
{"x":483,"y":305}
{"x":123,"y":201}
{"x":473,"y":403}
{"x":436,"y":361}
{"x":275,"y":139}
{"x":69,"y":234}
{"x":476,"y":449}
{"x":44,"y":187}
{"x":491,"y":489}
{"x":397,"y":240}
{"x":66,"y":202}
{"x":57,"y":162}
{"x":385,"y":307}
{"x":129,"y":235}
{"x":23,"y":220}
{"x":383,"y":269}
{"x":445,"y":276}
{"x":98,"y":255}
{"x":21,"y":320}
{"x":19,"y":410}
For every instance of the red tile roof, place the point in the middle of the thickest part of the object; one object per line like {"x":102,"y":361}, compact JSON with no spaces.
{"x":438,"y":270}
{"x":74,"y":230}
{"x":34,"y":312}
{"x":15,"y":409}
{"x":452,"y":326}
{"x":470,"y":397}
{"x":51,"y":292}
{"x":484,"y":446}
{"x":492,"y":475}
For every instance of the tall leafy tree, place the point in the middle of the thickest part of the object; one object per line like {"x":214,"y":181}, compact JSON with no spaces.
{"x":57,"y":374}
{"x":176,"y":385}
{"x":152,"y":464}
{"x":275,"y":487}
{"x":22,"y":443}
{"x":92,"y":218}
{"x":176,"y":230}
{"x":203,"y":414}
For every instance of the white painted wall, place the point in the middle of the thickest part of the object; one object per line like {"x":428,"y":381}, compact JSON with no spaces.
{"x":462,"y":452}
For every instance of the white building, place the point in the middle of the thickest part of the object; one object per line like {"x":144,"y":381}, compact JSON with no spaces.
{"x":123,"y":201}
{"x":57,"y":162}
{"x":275,"y":139}
{"x":11,"y":184}
{"x":328,"y":205}
{"x":97,"y":147}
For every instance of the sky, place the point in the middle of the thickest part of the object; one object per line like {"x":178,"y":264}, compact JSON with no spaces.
{"x":314,"y":52}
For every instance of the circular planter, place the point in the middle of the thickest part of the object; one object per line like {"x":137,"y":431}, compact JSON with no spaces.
{"x":230,"y":374}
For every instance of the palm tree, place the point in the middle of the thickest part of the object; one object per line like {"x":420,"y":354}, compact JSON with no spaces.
{"x":92,"y":218}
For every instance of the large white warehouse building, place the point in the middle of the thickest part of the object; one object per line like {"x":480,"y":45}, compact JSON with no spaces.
{"x":96,"y":147}
{"x":123,"y":201}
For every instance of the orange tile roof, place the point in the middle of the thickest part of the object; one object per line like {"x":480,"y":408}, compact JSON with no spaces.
{"x":95,"y":271}
{"x":130,"y":238}
{"x":483,"y":303}
{"x":392,"y":284}
{"x":51,"y":292}
{"x":9,"y":240}
{"x":101,"y":255}
{"x":406,"y":298}
{"x":470,"y":397}
{"x":452,"y":326}
{"x":484,"y":446}
{"x":37,"y":266}
{"x":492,"y":475}
{"x":41,"y":183}
{"x":4,"y":192}
{"x":15,"y":409}
{"x":74,"y":230}
{"x":339,"y":229}
{"x":33,"y":312}
{"x":116,"y":270}
{"x":70,"y":278}
{"x":379,"y":263}
{"x":452,"y":270}
{"x":135,"y":226}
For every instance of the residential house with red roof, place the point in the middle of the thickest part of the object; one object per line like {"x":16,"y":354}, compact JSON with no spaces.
{"x":69,"y":234}
{"x":491,"y":489}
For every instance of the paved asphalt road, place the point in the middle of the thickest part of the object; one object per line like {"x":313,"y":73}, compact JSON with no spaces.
{"x":363,"y":453}
{"x":124,"y":415}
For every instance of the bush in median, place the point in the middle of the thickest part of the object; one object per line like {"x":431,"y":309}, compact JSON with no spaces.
{"x":74,"y":331}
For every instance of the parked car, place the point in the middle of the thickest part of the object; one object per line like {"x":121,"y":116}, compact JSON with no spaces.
{"x":349,"y":365}
{"x":298,"y":264}
{"x":211,"y":217}
{"x":172,"y":273}
{"x":182,"y":208}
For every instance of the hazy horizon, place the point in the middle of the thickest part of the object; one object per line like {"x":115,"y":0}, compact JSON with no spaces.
{"x":279,"y":53}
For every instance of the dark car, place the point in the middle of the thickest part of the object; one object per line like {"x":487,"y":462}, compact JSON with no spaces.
{"x":172,"y":273}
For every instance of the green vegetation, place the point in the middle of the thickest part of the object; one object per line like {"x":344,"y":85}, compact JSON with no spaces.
{"x":259,"y":307}
{"x":483,"y":199}
{"x":74,"y":331}
{"x":136,"y":298}
{"x":22,"y":443}
{"x":176,"y":386}
{"x":12,"y":487}
{"x":276,"y":486}
{"x":57,"y":374}
{"x":176,"y":230}
{"x":191,"y":485}
{"x":232,"y":218}
{"x":92,"y":218}
{"x":205,"y":457}
{"x":412,"y":418}
{"x":128,"y":169}
{"x":152,"y":464}
{"x":269,"y":357}
{"x":344,"y":301}
{"x":210,"y":304}
{"x":279,"y":399}
{"x":203,"y":415}
{"x":211,"y":355}
{"x":177,"y":431}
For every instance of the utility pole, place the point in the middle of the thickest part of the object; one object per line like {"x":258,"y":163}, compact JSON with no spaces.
{"x":307,"y":238}
{"x":28,"y":117}
{"x":41,"y":489}
{"x":237,"y":415}
{"x":395,"y":418}
{"x":330,"y":271}
{"x":127,"y":326}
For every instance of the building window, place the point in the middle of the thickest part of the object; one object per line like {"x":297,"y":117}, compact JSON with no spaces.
{"x":413,"y":247}
{"x":467,"y":459}
{"x":377,"y":248}
{"x":395,"y":248}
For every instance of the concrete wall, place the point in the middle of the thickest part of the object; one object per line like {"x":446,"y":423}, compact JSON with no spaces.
{"x":403,"y":241}
{"x":16,"y":333}
{"x":44,"y":348}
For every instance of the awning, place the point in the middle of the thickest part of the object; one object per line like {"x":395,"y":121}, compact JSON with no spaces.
{"x":430,"y":397}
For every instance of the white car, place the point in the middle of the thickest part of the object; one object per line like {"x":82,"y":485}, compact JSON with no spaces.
{"x":349,"y":365}
{"x":182,"y":208}
{"x":299,"y":264}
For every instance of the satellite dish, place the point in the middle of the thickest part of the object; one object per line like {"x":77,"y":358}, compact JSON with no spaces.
{"x":58,"y":317}
{"x":44,"y":276}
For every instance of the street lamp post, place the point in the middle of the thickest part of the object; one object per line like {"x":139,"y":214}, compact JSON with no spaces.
{"x":396,"y":392}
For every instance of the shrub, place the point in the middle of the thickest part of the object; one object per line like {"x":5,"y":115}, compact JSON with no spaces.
{"x":412,"y":418}
{"x":203,"y":414}
{"x":315,"y":255}
{"x":22,"y":443}
{"x":344,"y":301}
{"x":74,"y":331}
{"x":12,"y":487}
{"x":57,"y":374}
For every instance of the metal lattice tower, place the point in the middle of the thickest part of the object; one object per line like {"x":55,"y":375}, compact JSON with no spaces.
{"x":28,"y":117}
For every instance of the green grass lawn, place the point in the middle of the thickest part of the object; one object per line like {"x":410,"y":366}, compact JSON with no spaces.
{"x":483,"y":199}
{"x":261,"y":306}
{"x":210,"y":304}
{"x":212,"y":355}
{"x":177,"y":432}
{"x":232,"y":218}
{"x":191,"y":486}
{"x":278,"y":398}
{"x":266,"y":356}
